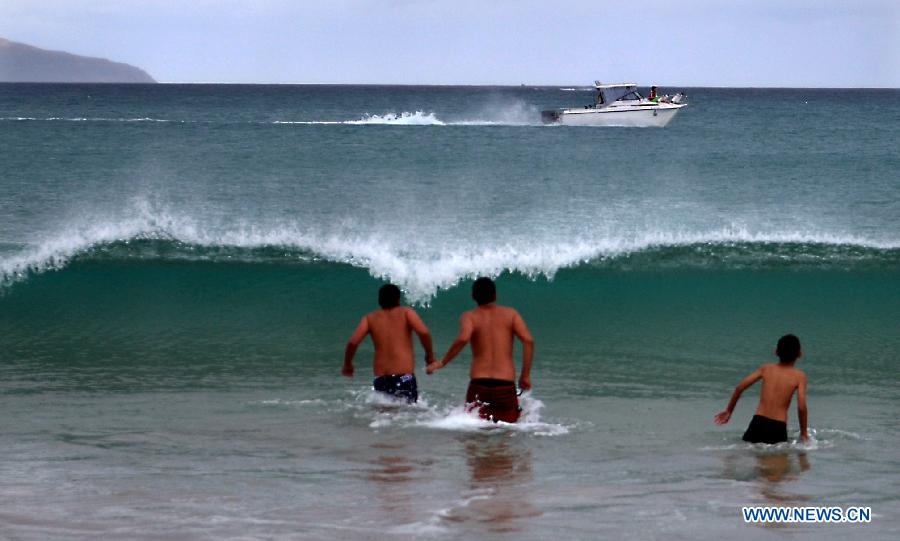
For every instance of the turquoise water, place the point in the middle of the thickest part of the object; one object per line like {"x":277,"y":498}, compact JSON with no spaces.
{"x":182,"y":265}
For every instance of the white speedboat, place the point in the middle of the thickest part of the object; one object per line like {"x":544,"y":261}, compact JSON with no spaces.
{"x":619,"y":105}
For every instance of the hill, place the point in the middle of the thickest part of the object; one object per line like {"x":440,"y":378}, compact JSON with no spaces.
{"x":20,"y":63}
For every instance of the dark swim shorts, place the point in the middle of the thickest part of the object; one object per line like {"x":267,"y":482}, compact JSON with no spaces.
{"x":399,"y":385}
{"x":495,"y":399}
{"x":765,"y":430}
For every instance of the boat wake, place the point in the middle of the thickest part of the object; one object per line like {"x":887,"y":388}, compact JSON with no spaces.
{"x":89,"y":119}
{"x":417,"y":118}
{"x":510,"y":116}
{"x":507,"y":114}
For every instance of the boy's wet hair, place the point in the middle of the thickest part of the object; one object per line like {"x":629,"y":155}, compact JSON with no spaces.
{"x":484,"y":291}
{"x":389,"y":296}
{"x":788,"y":348}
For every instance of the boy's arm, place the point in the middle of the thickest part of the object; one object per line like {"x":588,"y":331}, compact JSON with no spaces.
{"x":358,"y":336}
{"x":422,"y":331}
{"x":801,"y":408}
{"x":465,"y":334}
{"x":522,"y":332}
{"x":723,"y":416}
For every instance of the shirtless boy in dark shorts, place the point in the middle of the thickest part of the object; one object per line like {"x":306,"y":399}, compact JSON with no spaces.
{"x":780,"y":380}
{"x":391,"y":329}
{"x":491,"y":328}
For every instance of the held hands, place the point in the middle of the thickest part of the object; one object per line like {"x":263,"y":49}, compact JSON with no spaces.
{"x":722,"y":417}
{"x":433,"y":366}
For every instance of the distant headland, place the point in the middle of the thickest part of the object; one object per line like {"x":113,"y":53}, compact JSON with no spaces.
{"x":20,"y":63}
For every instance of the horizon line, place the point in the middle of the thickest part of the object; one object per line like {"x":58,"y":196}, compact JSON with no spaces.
{"x":506,"y":85}
{"x":521,"y":85}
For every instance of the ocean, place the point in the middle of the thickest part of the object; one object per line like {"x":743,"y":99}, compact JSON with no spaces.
{"x":182,"y":265}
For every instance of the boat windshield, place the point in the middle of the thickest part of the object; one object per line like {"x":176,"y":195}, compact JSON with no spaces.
{"x":631,"y":96}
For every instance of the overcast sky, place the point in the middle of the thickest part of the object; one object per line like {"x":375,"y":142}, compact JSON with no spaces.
{"x":799,"y":43}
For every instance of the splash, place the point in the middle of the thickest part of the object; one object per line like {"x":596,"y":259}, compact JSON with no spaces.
{"x":417,"y":118}
{"x":457,"y":419}
{"x":382,"y":412}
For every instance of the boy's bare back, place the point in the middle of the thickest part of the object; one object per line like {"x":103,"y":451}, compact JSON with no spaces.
{"x":391,"y":331}
{"x":492,"y":328}
{"x":392,"y":336}
{"x":779,"y":382}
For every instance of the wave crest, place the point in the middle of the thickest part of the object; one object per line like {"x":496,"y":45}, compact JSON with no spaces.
{"x":422,"y":272}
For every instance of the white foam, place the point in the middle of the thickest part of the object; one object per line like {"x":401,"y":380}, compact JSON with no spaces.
{"x":417,"y":118}
{"x":418,"y":269}
{"x":457,"y":419}
{"x":383,"y":411}
{"x":507,"y":114}
{"x":815,"y":443}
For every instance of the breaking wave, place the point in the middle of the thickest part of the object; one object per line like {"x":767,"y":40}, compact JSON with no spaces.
{"x":421,"y":273}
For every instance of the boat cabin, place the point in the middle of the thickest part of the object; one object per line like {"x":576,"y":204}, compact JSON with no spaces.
{"x":609,"y":94}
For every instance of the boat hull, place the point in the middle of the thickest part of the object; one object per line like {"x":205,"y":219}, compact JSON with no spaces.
{"x":656,"y":117}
